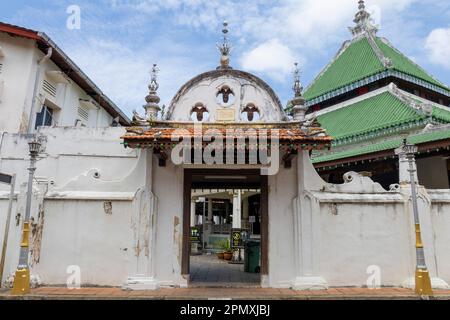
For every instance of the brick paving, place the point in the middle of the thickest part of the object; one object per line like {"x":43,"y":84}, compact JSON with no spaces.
{"x":215,"y":279}
{"x":59,"y":293}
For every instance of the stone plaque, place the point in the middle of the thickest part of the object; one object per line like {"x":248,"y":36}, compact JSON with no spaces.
{"x":226,"y":115}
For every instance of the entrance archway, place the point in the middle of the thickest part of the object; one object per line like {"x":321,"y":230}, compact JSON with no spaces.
{"x":224,"y":179}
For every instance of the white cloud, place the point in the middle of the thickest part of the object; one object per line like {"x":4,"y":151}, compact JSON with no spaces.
{"x":123,"y":74}
{"x":271,"y":57}
{"x":437,"y":45}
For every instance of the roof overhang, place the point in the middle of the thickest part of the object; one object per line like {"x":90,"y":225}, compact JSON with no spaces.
{"x":287,"y":138}
{"x":425,"y":148}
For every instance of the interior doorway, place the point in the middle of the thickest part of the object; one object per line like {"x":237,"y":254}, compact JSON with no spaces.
{"x":225,"y":228}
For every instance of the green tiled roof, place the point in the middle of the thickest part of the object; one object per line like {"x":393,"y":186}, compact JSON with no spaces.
{"x":383,"y":146}
{"x":359,"y":61}
{"x":403,"y":64}
{"x":375,"y":113}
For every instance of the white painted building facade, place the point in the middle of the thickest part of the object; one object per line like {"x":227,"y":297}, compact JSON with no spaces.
{"x":41,"y":86}
{"x":116,"y":214}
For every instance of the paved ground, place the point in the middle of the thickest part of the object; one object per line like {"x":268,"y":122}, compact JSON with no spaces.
{"x":51,"y":293}
{"x":208,"y":274}
{"x":209,"y":271}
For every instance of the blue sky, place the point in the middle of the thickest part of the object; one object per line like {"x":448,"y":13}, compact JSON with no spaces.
{"x":119,"y":40}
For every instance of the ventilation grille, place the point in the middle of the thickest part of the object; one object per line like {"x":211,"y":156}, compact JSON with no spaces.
{"x":1,"y":68}
{"x":49,"y":88}
{"x":83,"y":114}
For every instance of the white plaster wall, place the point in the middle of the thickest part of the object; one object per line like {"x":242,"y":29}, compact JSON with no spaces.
{"x":282,"y":191}
{"x":440,"y":217}
{"x":18,"y":80}
{"x":354,"y":225}
{"x":80,"y":233}
{"x":77,"y":230}
{"x":356,"y":236}
{"x":168,"y":189}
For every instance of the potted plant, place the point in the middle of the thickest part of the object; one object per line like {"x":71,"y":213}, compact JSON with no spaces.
{"x":223,"y":246}
{"x":228,"y":254}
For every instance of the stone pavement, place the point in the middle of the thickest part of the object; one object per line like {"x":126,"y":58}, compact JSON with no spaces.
{"x":57,"y":293}
{"x":209,"y":271}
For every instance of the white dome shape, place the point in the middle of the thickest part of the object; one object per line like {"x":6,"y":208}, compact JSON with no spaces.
{"x":225,"y":93}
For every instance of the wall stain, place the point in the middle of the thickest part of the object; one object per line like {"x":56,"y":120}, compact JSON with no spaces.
{"x":36,"y":236}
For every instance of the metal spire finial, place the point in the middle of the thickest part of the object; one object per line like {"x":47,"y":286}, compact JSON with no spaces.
{"x":298,"y":103}
{"x":225,"y":48}
{"x":154,"y":85}
{"x":152,"y":108}
{"x":362,"y":5}
{"x":298,"y":88}
{"x":363,"y":22}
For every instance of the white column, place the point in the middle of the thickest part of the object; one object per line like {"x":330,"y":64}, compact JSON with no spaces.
{"x":245,"y":206}
{"x":305,"y":227}
{"x":210,"y":210}
{"x":207,"y":225}
{"x":193,"y":216}
{"x":143,"y":269}
{"x":403,"y":168}
{"x":237,"y":210}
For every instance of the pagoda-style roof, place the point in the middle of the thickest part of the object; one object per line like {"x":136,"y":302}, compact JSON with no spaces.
{"x":364,"y":60}
{"x":426,"y":141}
{"x":385,"y":111}
{"x":383,"y":114}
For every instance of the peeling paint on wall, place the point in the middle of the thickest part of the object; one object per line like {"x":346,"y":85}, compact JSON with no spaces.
{"x":36,"y":236}
{"x":107,"y":206}
{"x":23,"y":128}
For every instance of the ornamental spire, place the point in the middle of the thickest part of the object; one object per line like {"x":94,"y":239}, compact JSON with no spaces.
{"x":298,"y":103}
{"x":225,"y":48}
{"x":152,"y":108}
{"x":363,"y":22}
{"x":298,"y":88}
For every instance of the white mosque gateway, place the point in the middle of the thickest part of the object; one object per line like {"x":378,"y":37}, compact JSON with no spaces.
{"x":138,"y":204}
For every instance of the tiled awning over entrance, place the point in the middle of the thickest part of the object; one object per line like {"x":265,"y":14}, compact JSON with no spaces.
{"x":289,"y":135}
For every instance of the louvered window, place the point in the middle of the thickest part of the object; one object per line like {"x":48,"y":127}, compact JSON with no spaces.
{"x":49,"y":88}
{"x":83,"y":114}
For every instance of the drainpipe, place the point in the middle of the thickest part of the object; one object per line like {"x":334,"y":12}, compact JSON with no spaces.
{"x":1,"y":145}
{"x":36,"y":84}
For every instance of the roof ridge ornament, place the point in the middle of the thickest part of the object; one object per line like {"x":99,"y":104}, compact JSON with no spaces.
{"x":225,"y":48}
{"x":298,"y":102}
{"x":422,"y":108}
{"x":298,"y":88}
{"x":152,"y":108}
{"x":363,"y":22}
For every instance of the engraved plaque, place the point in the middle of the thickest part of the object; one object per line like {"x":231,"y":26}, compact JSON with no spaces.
{"x":226,"y":115}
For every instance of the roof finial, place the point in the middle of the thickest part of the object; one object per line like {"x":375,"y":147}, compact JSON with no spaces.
{"x":362,"y":5}
{"x":298,"y":103}
{"x":152,"y":108}
{"x":298,"y":88}
{"x":363,"y":22}
{"x":225,"y":48}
